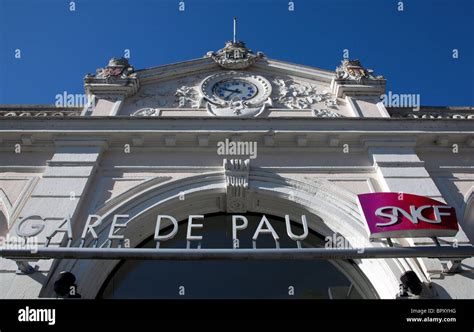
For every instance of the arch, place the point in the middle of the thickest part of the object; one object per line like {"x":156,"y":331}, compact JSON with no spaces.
{"x":217,"y":235}
{"x":329,"y":209}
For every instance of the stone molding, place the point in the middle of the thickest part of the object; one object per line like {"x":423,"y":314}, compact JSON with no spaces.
{"x":236,"y":172}
{"x":13,"y":210}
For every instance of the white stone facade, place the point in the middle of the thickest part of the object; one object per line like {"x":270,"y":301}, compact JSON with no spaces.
{"x":151,"y":136}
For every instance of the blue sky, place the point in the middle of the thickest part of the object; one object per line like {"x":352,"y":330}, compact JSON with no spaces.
{"x":412,"y":48}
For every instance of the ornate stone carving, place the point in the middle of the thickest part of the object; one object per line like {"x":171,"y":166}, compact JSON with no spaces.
{"x":353,"y":70}
{"x":235,"y":55}
{"x":236,"y":172}
{"x":237,"y":108}
{"x":325,"y":113}
{"x":147,"y":112}
{"x":188,"y":97}
{"x":163,"y":94}
{"x":116,"y":68}
{"x":118,"y":77}
{"x":298,"y":96}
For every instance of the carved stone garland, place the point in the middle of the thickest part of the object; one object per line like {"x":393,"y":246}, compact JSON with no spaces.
{"x":298,"y":96}
{"x":188,"y":97}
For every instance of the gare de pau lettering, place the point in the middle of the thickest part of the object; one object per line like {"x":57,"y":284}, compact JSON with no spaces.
{"x":384,"y":214}
{"x":166,"y":228}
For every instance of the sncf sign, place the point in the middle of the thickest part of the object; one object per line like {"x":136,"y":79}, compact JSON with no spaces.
{"x":406,"y":215}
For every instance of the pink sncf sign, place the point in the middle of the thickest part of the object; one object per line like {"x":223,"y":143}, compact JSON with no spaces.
{"x":406,"y":215}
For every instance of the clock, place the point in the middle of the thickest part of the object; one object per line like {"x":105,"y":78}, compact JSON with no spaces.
{"x":234,"y":89}
{"x":226,"y":88}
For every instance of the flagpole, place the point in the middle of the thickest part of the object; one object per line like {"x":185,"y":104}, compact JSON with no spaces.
{"x":235,"y":28}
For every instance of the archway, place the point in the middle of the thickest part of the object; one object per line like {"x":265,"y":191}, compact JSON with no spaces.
{"x":329,"y":210}
{"x":234,"y":279}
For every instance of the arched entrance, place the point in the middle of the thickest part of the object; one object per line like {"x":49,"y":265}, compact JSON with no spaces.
{"x":235,"y":279}
{"x":329,"y":210}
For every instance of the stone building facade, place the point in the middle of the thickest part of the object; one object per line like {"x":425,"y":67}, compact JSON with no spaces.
{"x":147,"y":143}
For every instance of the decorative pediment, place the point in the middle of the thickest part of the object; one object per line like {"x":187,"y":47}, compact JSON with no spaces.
{"x":220,"y":92}
{"x":234,"y":82}
{"x":231,"y":82}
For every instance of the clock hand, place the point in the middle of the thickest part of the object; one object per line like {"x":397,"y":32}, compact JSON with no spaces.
{"x":237,"y":90}
{"x":230,"y":94}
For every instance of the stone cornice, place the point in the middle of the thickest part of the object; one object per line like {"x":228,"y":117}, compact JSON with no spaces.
{"x":126,"y":87}
{"x":103,"y":124}
{"x":427,"y":112}
{"x":170,"y":134}
{"x":341,"y":88}
{"x":38,"y":111}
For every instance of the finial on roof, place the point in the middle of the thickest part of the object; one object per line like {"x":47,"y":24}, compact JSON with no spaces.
{"x":117,"y":68}
{"x":235,"y":55}
{"x":353,"y":70}
{"x":117,"y":78}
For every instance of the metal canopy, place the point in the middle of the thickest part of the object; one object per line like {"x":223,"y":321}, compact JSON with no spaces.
{"x":445,"y":252}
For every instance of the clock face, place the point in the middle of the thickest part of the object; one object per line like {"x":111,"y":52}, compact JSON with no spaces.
{"x":234,"y":89}
{"x":229,"y":87}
